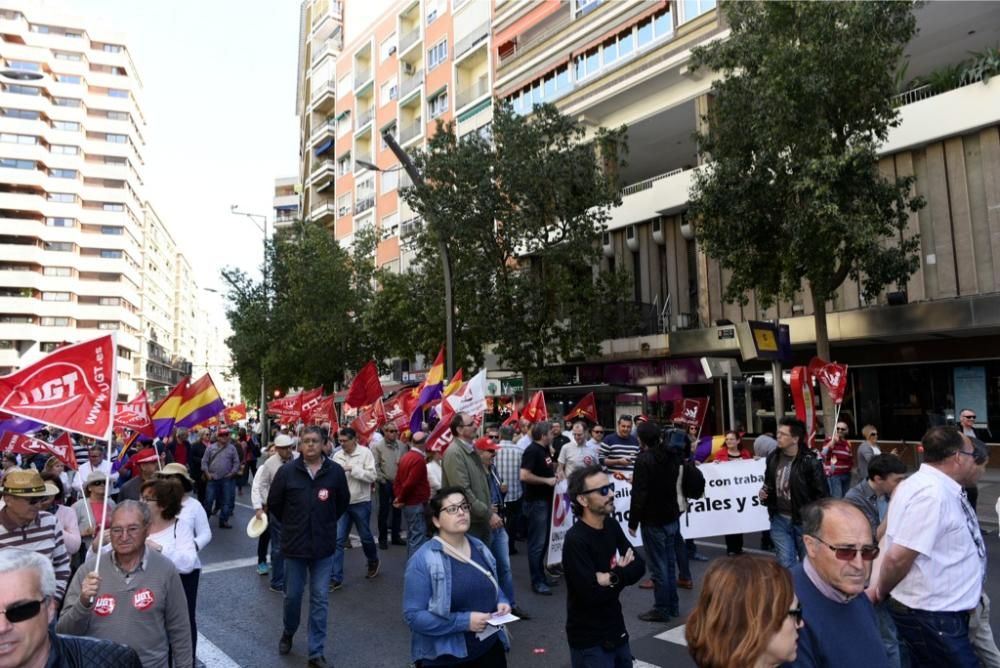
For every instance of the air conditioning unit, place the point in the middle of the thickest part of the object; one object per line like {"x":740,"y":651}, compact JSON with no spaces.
{"x":408,"y":68}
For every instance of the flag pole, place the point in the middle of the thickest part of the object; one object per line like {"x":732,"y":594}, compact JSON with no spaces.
{"x":112,"y":407}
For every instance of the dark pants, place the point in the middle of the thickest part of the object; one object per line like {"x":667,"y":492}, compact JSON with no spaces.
{"x":934,"y":639}
{"x":681,"y":554}
{"x":263,"y":541}
{"x":537,"y":514}
{"x":223,"y":493}
{"x":515,"y":521}
{"x":598,"y":657}
{"x":385,"y":508}
{"x":190,"y":583}
{"x":277,"y":558}
{"x":494,"y":658}
{"x":660,"y":542}
{"x":734,"y":543}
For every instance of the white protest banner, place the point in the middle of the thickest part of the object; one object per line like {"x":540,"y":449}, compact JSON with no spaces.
{"x":562,"y":517}
{"x":730,"y":504}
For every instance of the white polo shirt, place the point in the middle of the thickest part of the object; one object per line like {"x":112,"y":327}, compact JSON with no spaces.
{"x":930,"y":515}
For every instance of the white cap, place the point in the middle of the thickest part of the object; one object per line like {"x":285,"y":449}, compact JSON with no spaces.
{"x":283,"y":441}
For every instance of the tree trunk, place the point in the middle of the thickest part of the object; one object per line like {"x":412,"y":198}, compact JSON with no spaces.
{"x":823,"y":352}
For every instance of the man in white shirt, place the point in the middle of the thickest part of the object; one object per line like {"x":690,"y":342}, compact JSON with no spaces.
{"x":359,"y":467}
{"x":578,"y":453}
{"x":283,"y":452}
{"x":96,"y":461}
{"x":936,"y":559}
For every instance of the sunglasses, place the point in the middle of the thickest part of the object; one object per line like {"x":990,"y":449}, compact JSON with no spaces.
{"x":596,"y":431}
{"x":845,"y":553}
{"x":970,"y":417}
{"x":796,"y":614}
{"x":603,"y":490}
{"x":22,"y":612}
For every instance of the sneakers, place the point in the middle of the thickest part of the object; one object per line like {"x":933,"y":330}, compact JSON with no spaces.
{"x":335,"y":585}
{"x":373,"y":569}
{"x":285,"y":644}
{"x":263,"y":569}
{"x":654,"y":616}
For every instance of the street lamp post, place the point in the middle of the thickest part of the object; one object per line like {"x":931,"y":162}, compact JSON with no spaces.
{"x":234,"y":209}
{"x":449,"y":304}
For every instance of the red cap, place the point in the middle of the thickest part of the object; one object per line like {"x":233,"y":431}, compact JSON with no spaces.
{"x":146,"y":456}
{"x":224,"y":431}
{"x":486,"y":443}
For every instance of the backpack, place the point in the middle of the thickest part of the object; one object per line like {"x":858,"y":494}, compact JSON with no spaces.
{"x":692,"y":481}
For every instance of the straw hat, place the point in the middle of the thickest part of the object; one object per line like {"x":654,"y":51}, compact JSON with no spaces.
{"x":283,"y":441}
{"x":95,"y":476}
{"x":257,"y":526}
{"x":27,"y":483}
{"x":175,"y":469}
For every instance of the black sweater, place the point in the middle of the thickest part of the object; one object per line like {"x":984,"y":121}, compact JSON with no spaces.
{"x":654,"y":487}
{"x":593,"y":613}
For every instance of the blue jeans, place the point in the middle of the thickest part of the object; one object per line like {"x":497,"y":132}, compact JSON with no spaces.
{"x":318,"y":571}
{"x":416,"y":528}
{"x":683,"y":561}
{"x":598,"y":657}
{"x":887,"y":629}
{"x":385,"y":509}
{"x":839,"y":484}
{"x":537,"y":514}
{"x":659,"y":542}
{"x":277,"y":559}
{"x":934,"y":639}
{"x":360,"y":515}
{"x":787,"y":539}
{"x":500,"y":548}
{"x":225,"y":492}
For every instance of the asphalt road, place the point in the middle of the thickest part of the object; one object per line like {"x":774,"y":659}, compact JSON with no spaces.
{"x":241,"y":619}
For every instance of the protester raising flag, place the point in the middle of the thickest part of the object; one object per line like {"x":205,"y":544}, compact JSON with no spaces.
{"x":73,"y":387}
{"x":586,"y":409}
{"x":365,"y":388}
{"x":201,"y":402}
{"x":427,"y":392}
{"x":368,"y":421}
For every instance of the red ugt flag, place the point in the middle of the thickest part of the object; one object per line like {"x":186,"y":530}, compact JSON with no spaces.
{"x":536,"y":411}
{"x":134,"y":415}
{"x":20,"y":444}
{"x":368,"y":421}
{"x":365,"y":388}
{"x":587,"y":408}
{"x":73,"y":387}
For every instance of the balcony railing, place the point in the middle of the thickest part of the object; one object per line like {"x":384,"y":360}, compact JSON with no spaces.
{"x":410,"y":227}
{"x":473,"y":92}
{"x":322,"y":166}
{"x":408,"y":39}
{"x":365,"y":117}
{"x":323,"y":128}
{"x":323,"y":49}
{"x":648,"y":183}
{"x":525,"y":42}
{"x":929,"y":90}
{"x":362,"y":77}
{"x":363,"y":205}
{"x":322,"y":90}
{"x":480,"y":32}
{"x":411,"y":131}
{"x":410,"y":83}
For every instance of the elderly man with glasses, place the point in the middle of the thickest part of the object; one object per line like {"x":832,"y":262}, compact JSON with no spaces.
{"x":935,"y":565}
{"x":134,"y":598}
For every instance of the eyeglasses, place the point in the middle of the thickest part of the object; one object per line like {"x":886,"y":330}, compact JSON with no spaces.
{"x":457,"y":508}
{"x":33,"y":500}
{"x":842,"y":430}
{"x":22,"y":612}
{"x":848,"y":553}
{"x":971,"y":453}
{"x":969,"y":417}
{"x":118,"y":532}
{"x":796,"y":614}
{"x":596,"y":431}
{"x":603,"y":490}
{"x":873,"y":434}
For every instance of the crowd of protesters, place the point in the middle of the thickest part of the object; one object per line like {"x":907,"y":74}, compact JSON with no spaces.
{"x":887,"y":570}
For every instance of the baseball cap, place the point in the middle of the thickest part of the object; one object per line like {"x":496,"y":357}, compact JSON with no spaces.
{"x":283,"y":441}
{"x":146,"y":456}
{"x":486,"y":443}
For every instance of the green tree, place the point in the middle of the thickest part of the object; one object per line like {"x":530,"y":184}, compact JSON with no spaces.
{"x":317,"y":325}
{"x":791,"y":194}
{"x":522,"y":211}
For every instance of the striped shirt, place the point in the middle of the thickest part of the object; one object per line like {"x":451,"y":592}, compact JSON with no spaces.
{"x":616,"y":447}
{"x":43,"y":536}
{"x":508,"y":466}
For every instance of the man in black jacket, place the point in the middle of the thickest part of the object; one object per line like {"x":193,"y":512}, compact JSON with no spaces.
{"x":793,"y":479}
{"x":27,"y":598}
{"x":654,"y":506}
{"x":599,"y":563}
{"x":308,"y":496}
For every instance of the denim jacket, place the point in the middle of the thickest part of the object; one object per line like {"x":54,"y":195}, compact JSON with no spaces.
{"x":435,"y":629}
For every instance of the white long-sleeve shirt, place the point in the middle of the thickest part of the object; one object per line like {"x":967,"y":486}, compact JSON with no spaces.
{"x":362,"y":472}
{"x":262,"y":480}
{"x":193,"y":514}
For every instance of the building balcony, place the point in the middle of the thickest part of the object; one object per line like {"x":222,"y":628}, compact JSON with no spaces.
{"x":323,"y":97}
{"x":478,"y":90}
{"x":411,"y":83}
{"x":409,"y":39}
{"x":364,"y":118}
{"x":476,"y":35}
{"x":663,"y":194}
{"x":325,"y":130}
{"x":363,"y":204}
{"x":410,"y":227}
{"x":323,"y":173}
{"x":323,"y":213}
{"x":549,"y":27}
{"x":411,"y":131}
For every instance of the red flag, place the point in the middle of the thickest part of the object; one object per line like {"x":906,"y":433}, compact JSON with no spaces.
{"x":395,"y":413}
{"x":513,"y":419}
{"x":234,"y":414}
{"x":134,"y":415}
{"x":805,"y":402}
{"x":368,"y":421}
{"x":287,"y":406}
{"x":365,"y":388}
{"x":587,"y":408}
{"x":64,"y":444}
{"x":691,"y":412}
{"x":73,"y":387}
{"x":440,"y":438}
{"x":310,"y":400}
{"x":832,"y":376}
{"x":26,"y":445}
{"x":536,"y":411}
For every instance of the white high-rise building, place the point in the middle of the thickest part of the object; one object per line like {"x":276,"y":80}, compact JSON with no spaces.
{"x":71,"y":212}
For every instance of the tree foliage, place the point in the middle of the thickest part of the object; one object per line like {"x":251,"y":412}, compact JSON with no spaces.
{"x":792,"y":191}
{"x":317,"y":323}
{"x":522,"y":212}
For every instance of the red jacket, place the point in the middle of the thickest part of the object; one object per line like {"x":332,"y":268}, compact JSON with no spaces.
{"x":842,"y":451}
{"x":411,"y":486}
{"x":723,"y":455}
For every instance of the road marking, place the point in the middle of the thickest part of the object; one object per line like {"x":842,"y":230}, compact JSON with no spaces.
{"x":243,"y":505}
{"x":674,"y":635}
{"x":751,"y":550}
{"x":212,"y":656}
{"x":229,"y":565}
{"x":636,"y":663}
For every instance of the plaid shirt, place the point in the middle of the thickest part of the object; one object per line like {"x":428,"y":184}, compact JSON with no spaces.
{"x":508,"y":467}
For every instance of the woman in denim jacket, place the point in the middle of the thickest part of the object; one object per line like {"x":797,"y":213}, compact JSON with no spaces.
{"x":451,"y":591}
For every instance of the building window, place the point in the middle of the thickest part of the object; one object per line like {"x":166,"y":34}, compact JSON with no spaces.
{"x":66,"y":102}
{"x":69,"y":78}
{"x":48,"y":321}
{"x":116,"y":139}
{"x":437,"y":54}
{"x":108,"y":324}
{"x":113,"y":206}
{"x":550,"y":87}
{"x":64,"y":149}
{"x":110,"y":301}
{"x":438,"y":104}
{"x":344,"y":205}
{"x":63,"y":272}
{"x":66,"y":198}
{"x":584,"y":6}
{"x":22,"y":113}
{"x":390,"y":224}
{"x":389,"y":129}
{"x":68,"y":55}
{"x":117,"y":115}
{"x":112,"y":230}
{"x":58,"y":246}
{"x":691,"y":9}
{"x":23,"y":90}
{"x":389,"y":91}
{"x":344,"y":165}
{"x":48,"y":346}
{"x":63,"y":173}
{"x":71,"y":126}
{"x":111,"y":253}
{"x":12,"y":163}
{"x":390,"y":181}
{"x":113,"y":48}
{"x":24,"y":65}
{"x":387,"y":48}
{"x":117,"y":92}
{"x":9,"y":138}
{"x":60,"y":222}
{"x":55,"y":296}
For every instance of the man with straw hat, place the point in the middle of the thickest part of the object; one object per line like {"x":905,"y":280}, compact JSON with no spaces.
{"x":24,"y":525}
{"x":271,"y":535}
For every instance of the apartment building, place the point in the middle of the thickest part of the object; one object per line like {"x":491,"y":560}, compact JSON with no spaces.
{"x":420,"y":62}
{"x":918,"y":354}
{"x":286,"y":202}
